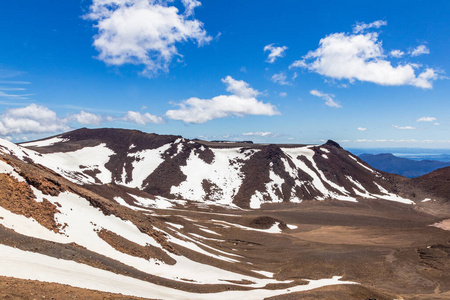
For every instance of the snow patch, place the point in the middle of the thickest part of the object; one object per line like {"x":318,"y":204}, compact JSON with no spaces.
{"x":143,"y":165}
{"x":44,"y":143}
{"x":72,"y":164}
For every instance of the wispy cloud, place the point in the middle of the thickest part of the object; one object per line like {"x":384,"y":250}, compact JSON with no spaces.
{"x":329,"y":101}
{"x":143,"y":32}
{"x":262,"y":134}
{"x":361,"y":27}
{"x":11,"y":89}
{"x":362,"y":128}
{"x":274,"y":52}
{"x":15,"y":96}
{"x":404,"y":127}
{"x":14,"y":82}
{"x":280,"y":78}
{"x":241,"y":102}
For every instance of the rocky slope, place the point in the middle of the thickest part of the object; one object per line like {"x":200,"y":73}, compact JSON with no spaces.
{"x":143,"y":215}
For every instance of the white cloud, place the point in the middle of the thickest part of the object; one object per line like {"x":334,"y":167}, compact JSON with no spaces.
{"x":362,"y":128}
{"x":266,"y":133}
{"x":143,"y":32}
{"x":283,"y":94}
{"x":360,"y":57}
{"x":329,"y":101}
{"x":190,"y":5}
{"x":280,"y":78}
{"x":405,"y":127}
{"x":397,"y":53}
{"x":426,"y":119}
{"x":14,"y":82}
{"x":275,"y":52}
{"x":142,"y":119}
{"x":422,"y":49}
{"x":30,"y":119}
{"x":86,"y":118}
{"x":239,"y":88}
{"x":241,"y":102}
{"x":436,"y":124}
{"x":361,"y":27}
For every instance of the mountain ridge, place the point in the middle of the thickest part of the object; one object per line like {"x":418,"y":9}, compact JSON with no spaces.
{"x":390,"y":163}
{"x":242,"y":174}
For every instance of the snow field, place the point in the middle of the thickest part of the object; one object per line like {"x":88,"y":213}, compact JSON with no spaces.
{"x":68,"y":163}
{"x":34,"y":266}
{"x":223,"y":172}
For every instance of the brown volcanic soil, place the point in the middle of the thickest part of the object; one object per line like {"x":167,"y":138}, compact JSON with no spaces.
{"x":337,"y":292}
{"x":387,"y":246}
{"x":126,"y":246}
{"x":437,"y":183}
{"x":18,"y":198}
{"x":15,"y":289}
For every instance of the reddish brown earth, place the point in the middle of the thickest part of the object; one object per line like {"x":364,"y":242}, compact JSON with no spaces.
{"x":17,"y":289}
{"x":18,"y":198}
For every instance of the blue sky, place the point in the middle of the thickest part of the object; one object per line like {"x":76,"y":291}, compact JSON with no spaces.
{"x":366,"y":74}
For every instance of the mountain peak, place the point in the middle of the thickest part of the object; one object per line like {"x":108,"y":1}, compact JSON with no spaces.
{"x":333,"y":143}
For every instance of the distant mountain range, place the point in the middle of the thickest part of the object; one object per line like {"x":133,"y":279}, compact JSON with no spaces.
{"x":410,"y":168}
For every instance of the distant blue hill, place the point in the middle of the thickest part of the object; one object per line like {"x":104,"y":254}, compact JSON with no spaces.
{"x":387,"y":162}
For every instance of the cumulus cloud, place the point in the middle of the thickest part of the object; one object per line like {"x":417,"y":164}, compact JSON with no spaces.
{"x":361,"y":27}
{"x":405,"y":127}
{"x":143,"y":32}
{"x":422,"y":49}
{"x":280,"y":78}
{"x":426,"y":119}
{"x":362,"y":128}
{"x":86,"y":118}
{"x":239,"y":88}
{"x":274,"y":52}
{"x":397,"y":53}
{"x":329,"y":101}
{"x":142,"y":118}
{"x":30,"y":119}
{"x":241,"y":102}
{"x":361,"y":57}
